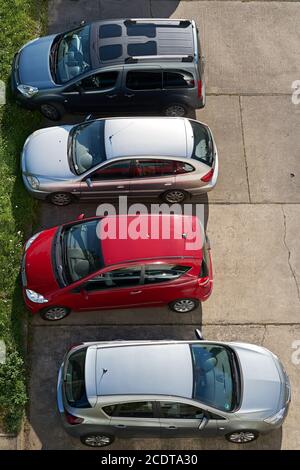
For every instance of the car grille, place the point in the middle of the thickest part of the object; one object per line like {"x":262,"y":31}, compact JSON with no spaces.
{"x":23,"y":271}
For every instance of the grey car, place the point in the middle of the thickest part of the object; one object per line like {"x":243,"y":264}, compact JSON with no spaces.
{"x":106,"y":66}
{"x":164,"y":389}
{"x":171,"y":158}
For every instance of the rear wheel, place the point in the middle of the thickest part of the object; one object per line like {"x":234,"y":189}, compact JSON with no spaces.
{"x":184,"y":305}
{"x":54,"y":112}
{"x":60,"y":199}
{"x":54,"y":313}
{"x":242,"y":437}
{"x":175,"y":110}
{"x":97,"y":440}
{"x":174,"y":196}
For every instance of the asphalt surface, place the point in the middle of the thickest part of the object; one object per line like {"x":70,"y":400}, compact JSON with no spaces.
{"x":252,"y":51}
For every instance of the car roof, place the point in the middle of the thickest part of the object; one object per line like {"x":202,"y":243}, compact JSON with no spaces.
{"x":184,"y":240}
{"x":161,"y":369}
{"x":163,"y":137}
{"x":119,"y":41}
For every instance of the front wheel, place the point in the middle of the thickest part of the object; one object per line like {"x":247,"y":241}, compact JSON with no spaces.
{"x":54,"y":313}
{"x":54,"y":112}
{"x":242,"y":437}
{"x":60,"y":199}
{"x":175,"y":110}
{"x":184,"y":305}
{"x":97,"y":440}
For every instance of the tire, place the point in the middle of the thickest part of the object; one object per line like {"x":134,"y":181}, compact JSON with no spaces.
{"x":242,"y":437}
{"x":60,"y":199}
{"x":53,"y":112}
{"x":97,"y":440}
{"x":54,"y":313}
{"x":184,"y":305}
{"x":174,"y":196}
{"x":176,"y":110}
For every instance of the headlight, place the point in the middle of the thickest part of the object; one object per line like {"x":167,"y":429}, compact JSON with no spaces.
{"x":27,"y":90}
{"x":276,"y":418}
{"x":35,"y":297}
{"x":33,"y":181}
{"x":31,"y":239}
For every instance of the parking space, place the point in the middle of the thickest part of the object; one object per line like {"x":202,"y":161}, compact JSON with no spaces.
{"x":254,"y":213}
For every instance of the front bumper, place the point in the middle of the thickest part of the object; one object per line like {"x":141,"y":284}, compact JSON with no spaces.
{"x":15,"y":81}
{"x":36,"y":193}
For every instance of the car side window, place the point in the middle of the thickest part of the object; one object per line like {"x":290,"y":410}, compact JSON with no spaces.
{"x":124,"y":277}
{"x":114,"y":171}
{"x":180,"y":168}
{"x":175,"y":410}
{"x":144,"y":80}
{"x":205,"y":261}
{"x":178,"y":79}
{"x":99,"y":81}
{"x":142,"y":409}
{"x":153,"y":168}
{"x":155,"y":273}
{"x":109,"y":410}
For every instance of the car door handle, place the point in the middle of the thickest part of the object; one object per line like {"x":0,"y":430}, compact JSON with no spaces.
{"x":121,"y":186}
{"x":135,"y":292}
{"x":168,"y":184}
{"x":129,"y":95}
{"x":171,"y":427}
{"x":121,"y":426}
{"x":112,"y":96}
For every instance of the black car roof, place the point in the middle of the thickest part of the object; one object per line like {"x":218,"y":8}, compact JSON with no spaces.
{"x":121,"y":41}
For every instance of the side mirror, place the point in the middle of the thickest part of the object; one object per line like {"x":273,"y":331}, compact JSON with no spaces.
{"x":199,"y":334}
{"x":203,"y":422}
{"x":80,"y":217}
{"x":82,"y":23}
{"x":89,"y":182}
{"x":88,"y":117}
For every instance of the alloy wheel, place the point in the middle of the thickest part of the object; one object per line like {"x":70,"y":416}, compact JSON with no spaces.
{"x":175,"y":196}
{"x":184,"y":305}
{"x":61,"y":199}
{"x":50,"y":112}
{"x":55,"y":313}
{"x":242,"y":437}
{"x":97,"y":440}
{"x":176,"y":110}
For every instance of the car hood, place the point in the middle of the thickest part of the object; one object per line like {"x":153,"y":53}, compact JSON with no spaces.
{"x":38,"y":263}
{"x":34,"y":63}
{"x":45,"y":153}
{"x":261,"y":382}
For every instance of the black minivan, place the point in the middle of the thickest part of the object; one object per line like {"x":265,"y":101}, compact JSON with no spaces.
{"x":109,"y":66}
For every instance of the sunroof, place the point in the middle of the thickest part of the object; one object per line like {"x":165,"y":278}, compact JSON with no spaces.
{"x":110,"y":52}
{"x":110,"y":31}
{"x":147,"y":48}
{"x":148,"y":30}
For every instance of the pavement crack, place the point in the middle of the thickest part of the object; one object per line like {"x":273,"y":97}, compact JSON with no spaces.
{"x":244,"y":148}
{"x":289,"y":253}
{"x":264,"y":335}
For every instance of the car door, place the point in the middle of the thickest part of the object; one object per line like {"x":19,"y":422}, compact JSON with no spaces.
{"x":142,"y":88}
{"x":111,"y":289}
{"x":152,"y":177}
{"x":179,"y":419}
{"x":96,"y":92}
{"x":164,"y":282}
{"x":110,"y":180}
{"x":135,"y":419}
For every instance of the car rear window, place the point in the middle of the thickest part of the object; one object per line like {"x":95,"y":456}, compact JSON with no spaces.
{"x":203,"y":146}
{"x":75,"y":380}
{"x":178,"y":79}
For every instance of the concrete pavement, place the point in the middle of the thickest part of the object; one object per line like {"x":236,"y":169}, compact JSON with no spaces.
{"x":252,"y":60}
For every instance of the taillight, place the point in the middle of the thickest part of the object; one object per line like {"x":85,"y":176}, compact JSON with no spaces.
{"x":199,"y":89}
{"x":206,"y":178}
{"x":203,"y":281}
{"x":73,"y":419}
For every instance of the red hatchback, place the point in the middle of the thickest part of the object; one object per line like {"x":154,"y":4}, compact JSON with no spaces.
{"x":117,"y":262}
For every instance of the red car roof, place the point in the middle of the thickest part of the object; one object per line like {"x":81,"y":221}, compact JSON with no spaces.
{"x":162,"y":236}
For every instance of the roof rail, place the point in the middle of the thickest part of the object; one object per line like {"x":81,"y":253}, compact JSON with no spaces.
{"x":135,"y":59}
{"x":180,"y":23}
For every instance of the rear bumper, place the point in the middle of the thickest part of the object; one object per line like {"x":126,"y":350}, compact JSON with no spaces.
{"x":209,"y":186}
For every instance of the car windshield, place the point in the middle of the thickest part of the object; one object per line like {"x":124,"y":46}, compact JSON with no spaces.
{"x":75,"y":380}
{"x":81,"y":250}
{"x":202,"y":150}
{"x":72,"y":54}
{"x":215,"y":379}
{"x":87,"y":145}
